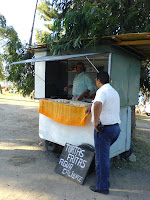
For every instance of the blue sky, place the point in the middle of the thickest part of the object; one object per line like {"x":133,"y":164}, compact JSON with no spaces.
{"x":19,"y":14}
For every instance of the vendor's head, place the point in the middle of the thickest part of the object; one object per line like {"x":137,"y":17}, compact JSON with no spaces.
{"x":102,"y":78}
{"x":80,"y":67}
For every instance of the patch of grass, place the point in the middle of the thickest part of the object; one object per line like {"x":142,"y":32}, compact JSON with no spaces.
{"x":141,"y":149}
{"x":143,"y":118}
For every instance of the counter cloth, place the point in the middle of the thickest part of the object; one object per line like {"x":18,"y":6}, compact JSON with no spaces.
{"x":64,"y":114}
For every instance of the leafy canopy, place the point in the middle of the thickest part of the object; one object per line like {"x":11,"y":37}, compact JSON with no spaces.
{"x":2,"y":76}
{"x":73,"y":20}
{"x":13,"y":50}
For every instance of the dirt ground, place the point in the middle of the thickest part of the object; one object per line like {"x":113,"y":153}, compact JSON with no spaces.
{"x":27,"y":169}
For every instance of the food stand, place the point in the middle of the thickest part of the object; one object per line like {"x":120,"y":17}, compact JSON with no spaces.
{"x":53,"y":73}
{"x":115,"y":63}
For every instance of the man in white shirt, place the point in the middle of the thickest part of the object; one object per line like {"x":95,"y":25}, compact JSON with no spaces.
{"x":105,"y":111}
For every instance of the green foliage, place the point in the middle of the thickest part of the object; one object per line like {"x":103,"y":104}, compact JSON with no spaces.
{"x":13,"y":50}
{"x":2,"y":76}
{"x":145,"y":78}
{"x":136,"y":16}
{"x":23,"y":76}
{"x":88,"y":19}
{"x":46,"y":12}
{"x":2,"y":21}
{"x":42,"y":37}
{"x":74,"y":20}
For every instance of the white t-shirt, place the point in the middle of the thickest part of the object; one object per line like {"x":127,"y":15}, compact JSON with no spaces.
{"x":110,"y":100}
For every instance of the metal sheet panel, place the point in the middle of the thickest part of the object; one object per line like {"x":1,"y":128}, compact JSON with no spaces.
{"x":39,"y":81}
{"x":119,"y":77}
{"x":134,"y":82}
{"x":52,"y":58}
{"x":125,"y":76}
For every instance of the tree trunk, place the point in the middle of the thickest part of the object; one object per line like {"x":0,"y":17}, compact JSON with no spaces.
{"x":133,"y":122}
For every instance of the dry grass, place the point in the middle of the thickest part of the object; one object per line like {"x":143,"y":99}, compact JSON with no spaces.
{"x":143,"y":118}
{"x":141,"y":148}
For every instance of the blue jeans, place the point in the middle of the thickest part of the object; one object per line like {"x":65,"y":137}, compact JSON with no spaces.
{"x":103,"y":141}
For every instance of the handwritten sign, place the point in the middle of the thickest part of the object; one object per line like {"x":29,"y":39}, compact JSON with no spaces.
{"x":74,"y":163}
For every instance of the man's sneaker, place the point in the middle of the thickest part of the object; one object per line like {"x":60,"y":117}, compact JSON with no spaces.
{"x":94,"y":189}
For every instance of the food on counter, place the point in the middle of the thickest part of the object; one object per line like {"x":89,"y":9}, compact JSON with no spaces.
{"x":70,"y":102}
{"x":65,"y":101}
{"x":79,"y":103}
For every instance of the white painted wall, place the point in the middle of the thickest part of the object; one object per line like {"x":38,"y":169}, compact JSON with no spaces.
{"x":40,"y":76}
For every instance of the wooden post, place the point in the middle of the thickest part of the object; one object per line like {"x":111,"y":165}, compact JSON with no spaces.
{"x":133,"y":122}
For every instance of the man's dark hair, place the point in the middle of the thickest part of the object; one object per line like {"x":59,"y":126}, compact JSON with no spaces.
{"x":80,"y":63}
{"x":103,"y":77}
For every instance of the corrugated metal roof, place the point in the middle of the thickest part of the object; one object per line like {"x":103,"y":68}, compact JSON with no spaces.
{"x":139,"y":43}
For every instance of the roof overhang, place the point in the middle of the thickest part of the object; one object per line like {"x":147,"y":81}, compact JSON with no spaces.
{"x":137,"y":43}
{"x":53,"y":58}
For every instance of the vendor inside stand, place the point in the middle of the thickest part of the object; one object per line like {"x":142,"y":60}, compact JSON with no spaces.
{"x":82,"y":84}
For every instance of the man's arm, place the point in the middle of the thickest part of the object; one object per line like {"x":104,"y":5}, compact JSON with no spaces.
{"x":83,"y":95}
{"x":88,"y":110}
{"x":66,"y":88}
{"x":97,"y":112}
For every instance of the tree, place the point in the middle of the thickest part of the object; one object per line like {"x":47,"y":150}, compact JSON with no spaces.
{"x":42,"y":37}
{"x":2,"y":76}
{"x":13,"y":50}
{"x":145,"y":78}
{"x":73,"y":20}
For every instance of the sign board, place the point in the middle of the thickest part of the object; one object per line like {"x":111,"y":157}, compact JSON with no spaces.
{"x":74,"y":163}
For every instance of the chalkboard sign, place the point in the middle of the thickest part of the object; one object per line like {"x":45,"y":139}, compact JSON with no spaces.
{"x":74,"y":163}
